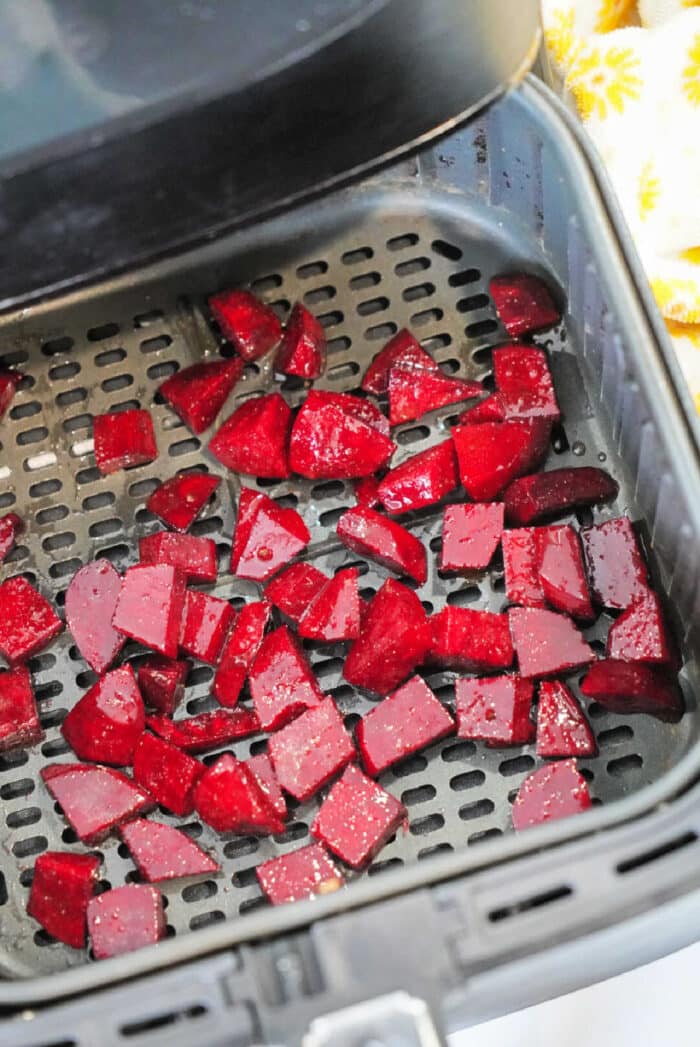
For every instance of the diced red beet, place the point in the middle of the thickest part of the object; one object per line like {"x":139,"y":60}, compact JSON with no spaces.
{"x":229,"y":798}
{"x":9,"y":384}
{"x":521,"y":564}
{"x":179,"y":501}
{"x":495,"y":709}
{"x":28,"y":622}
{"x":534,"y":498}
{"x":205,"y":731}
{"x":334,"y":614}
{"x":168,"y":774}
{"x":524,"y":303}
{"x":162,"y":852}
{"x":421,"y":480}
{"x":11,"y":525}
{"x":281,"y":681}
{"x":639,"y":634}
{"x":562,"y":727}
{"x":471,"y":641}
{"x":632,"y":687}
{"x":470,"y":535}
{"x":266,"y":536}
{"x":195,"y":557}
{"x":311,"y":750}
{"x":246,"y":322}
{"x":301,"y":874}
{"x":546,"y":643}
{"x":490,"y":409}
{"x":162,"y":682}
{"x":402,"y":350}
{"x":261,"y":766}
{"x":91,"y":599}
{"x":616,"y":571}
{"x":491,"y":454}
{"x":336,"y":436}
{"x":19,"y":719}
{"x":255,"y":439}
{"x":556,"y":790}
{"x":125,"y":919}
{"x":394,"y":638}
{"x":384,"y":541}
{"x":62,"y":886}
{"x":150,"y":606}
{"x":561,"y":572}
{"x":123,"y":439}
{"x":302,"y":350}
{"x":406,"y":721}
{"x":524,"y":383}
{"x":205,"y":626}
{"x":414,"y":391}
{"x":108,"y":720}
{"x":240,"y":651}
{"x":357,"y":818}
{"x":197,"y":393}
{"x":293,"y":590}
{"x":94,"y":800}
{"x":367,"y":491}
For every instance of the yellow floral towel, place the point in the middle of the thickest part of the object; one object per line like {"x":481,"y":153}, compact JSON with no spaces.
{"x":632,"y":70}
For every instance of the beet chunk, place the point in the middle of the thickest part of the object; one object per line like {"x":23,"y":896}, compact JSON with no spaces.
{"x":639,"y":634}
{"x":195,"y":557}
{"x":91,"y":599}
{"x":255,"y":439}
{"x":168,"y":774}
{"x":562,"y":727}
{"x":546,"y":643}
{"x":95,"y":800}
{"x":524,"y":303}
{"x":123,"y":439}
{"x":554,"y":791}
{"x":301,"y":874}
{"x":266,"y":536}
{"x":150,"y":606}
{"x":631,"y":687}
{"x":534,"y":498}
{"x":470,"y":535}
{"x":62,"y":886}
{"x":525,"y":387}
{"x":19,"y":719}
{"x":281,"y":681}
{"x":302,"y":350}
{"x":367,"y":491}
{"x":162,"y":682}
{"x":198,"y":734}
{"x":206,"y":624}
{"x":246,"y":322}
{"x":357,"y":818}
{"x":415,"y":391}
{"x":402,"y":350}
{"x":471,"y":641}
{"x":490,"y":409}
{"x":311,"y":750}
{"x":11,"y":525}
{"x":406,"y":721}
{"x":261,"y":767}
{"x":521,"y":562}
{"x":179,"y":501}
{"x":421,"y":480}
{"x":9,"y":384}
{"x":294,"y":589}
{"x":495,"y":709}
{"x":334,"y":614}
{"x":394,"y":638}
{"x":372,"y":535}
{"x":240,"y":651}
{"x":197,"y":393}
{"x":616,"y":570}
{"x":125,"y":919}
{"x":162,"y":852}
{"x":491,"y":454}
{"x":561,"y":572}
{"x":28,"y":622}
{"x":229,"y":798}
{"x":107,"y":722}
{"x":336,"y":436}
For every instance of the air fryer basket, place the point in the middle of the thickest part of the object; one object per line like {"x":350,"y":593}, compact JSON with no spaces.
{"x":415,"y":246}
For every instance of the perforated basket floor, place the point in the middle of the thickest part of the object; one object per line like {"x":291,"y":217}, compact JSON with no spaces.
{"x":381,"y":264}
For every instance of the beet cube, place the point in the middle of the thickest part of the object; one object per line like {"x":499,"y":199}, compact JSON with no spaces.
{"x":11,"y":525}
{"x":19,"y":720}
{"x":206,"y":624}
{"x":495,"y":709}
{"x":554,"y":791}
{"x":91,"y":599}
{"x":28,"y":622}
{"x":123,"y":439}
{"x":632,"y":687}
{"x":402,"y":350}
{"x":162,"y":683}
{"x":301,"y":874}
{"x":199,"y":734}
{"x":415,"y":391}
{"x":179,"y":501}
{"x":334,"y":614}
{"x":521,"y":562}
{"x":561,"y":572}
{"x":311,"y":750}
{"x":546,"y":643}
{"x":293,"y":590}
{"x":168,"y":774}
{"x":255,"y":439}
{"x":107,"y":722}
{"x":162,"y":852}
{"x":406,"y":721}
{"x":94,"y":800}
{"x":394,"y":638}
{"x":357,"y":818}
{"x":261,"y":766}
{"x":281,"y":681}
{"x":543,"y":495}
{"x":229,"y":798}
{"x":246,"y":322}
{"x":336,"y":436}
{"x":639,"y":634}
{"x":150,"y":606}
{"x":490,"y":409}
{"x":470,"y":535}
{"x":9,"y":384}
{"x":525,"y":387}
{"x":384,"y":541}
{"x":524,"y":303}
{"x":616,"y":571}
{"x":471,"y":641}
{"x":266,"y":536}
{"x":367,"y":491}
{"x":562,"y":727}
{"x":240,"y":651}
{"x":195,"y":557}
{"x":125,"y":919}
{"x":197,"y":393}
{"x":62,"y":886}
{"x":302,"y":350}
{"x":421,"y":480}
{"x":491,"y":454}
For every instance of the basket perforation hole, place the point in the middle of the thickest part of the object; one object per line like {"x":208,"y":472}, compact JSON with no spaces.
{"x":331,"y":319}
{"x":615,"y":736}
{"x":110,"y":356}
{"x":88,"y":476}
{"x":311,"y":269}
{"x":199,"y":892}
{"x":152,"y":316}
{"x":65,"y":568}
{"x":536,"y":901}
{"x":402,"y":242}
{"x":99,"y":333}
{"x":364,"y":280}
{"x":142,"y":488}
{"x":414,"y":764}
{"x":473,"y":302}
{"x":32,"y":845}
{"x":484,"y":834}
{"x":98,"y":501}
{"x":104,"y":527}
{"x":380,"y":867}
{"x":32,"y":436}
{"x":78,"y":421}
{"x":269,"y":282}
{"x":468,"y":780}
{"x":463,"y":277}
{"x":331,"y":517}
{"x":413,"y":435}
{"x":411,"y":266}
{"x":205,"y":919}
{"x":338,"y":345}
{"x":516,"y":765}
{"x":478,"y":809}
{"x":418,"y":291}
{"x":27,"y":410}
{"x":344,"y":371}
{"x":625,"y":765}
{"x":245,"y":877}
{"x":42,"y":938}
{"x":20,"y":819}
{"x":429,"y":824}
{"x":118,"y":381}
{"x":57,"y":747}
{"x":328,"y":489}
{"x":468,"y":594}
{"x":54,"y":542}
{"x":152,"y":345}
{"x":44,"y":488}
{"x":481,"y":328}
{"x":10,"y":760}
{"x":438,"y":848}
{"x":241,"y":847}
{"x":181,"y":447}
{"x":357,"y":254}
{"x":372,"y":306}
{"x":55,"y":346}
{"x":381,"y":332}
{"x":421,"y":794}
{"x":320,"y":294}
{"x":251,"y":904}
{"x":7,"y":499}
{"x":328,"y":667}
{"x":446,"y":250}
{"x":72,"y":396}
{"x":426,"y":316}
{"x":16,"y":790}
